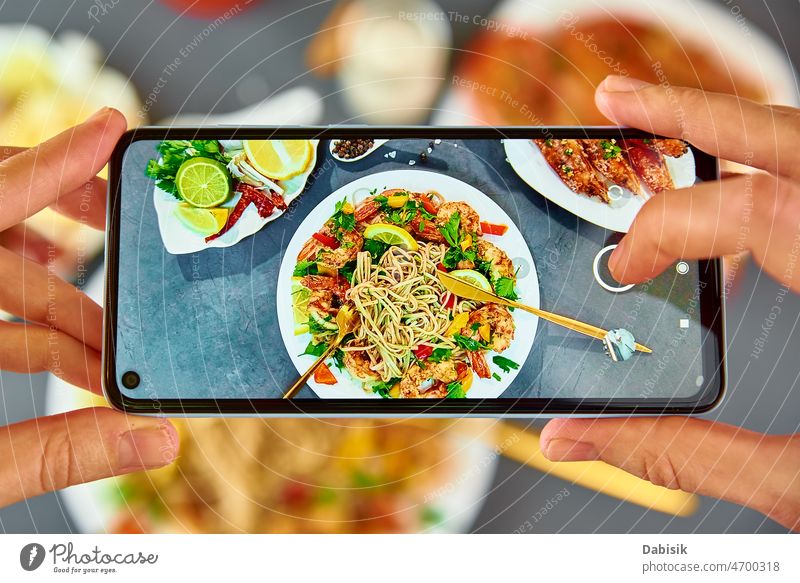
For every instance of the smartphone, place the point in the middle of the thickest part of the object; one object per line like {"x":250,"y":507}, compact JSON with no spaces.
{"x":417,"y":257}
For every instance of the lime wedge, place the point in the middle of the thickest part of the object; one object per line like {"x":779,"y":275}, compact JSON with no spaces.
{"x":391,"y":235}
{"x":203,"y":182}
{"x":201,"y":221}
{"x":473,"y":277}
{"x":300,"y":298}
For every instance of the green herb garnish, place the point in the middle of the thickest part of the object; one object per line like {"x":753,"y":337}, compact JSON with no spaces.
{"x":455,"y":390}
{"x":440,"y":355}
{"x":173,"y":153}
{"x":382,"y":388}
{"x":375,"y":248}
{"x":315,"y":349}
{"x":610,"y":149}
{"x":304,"y":268}
{"x":450,"y":229}
{"x":505,"y":364}
{"x":466,"y":343}
{"x":504,"y":287}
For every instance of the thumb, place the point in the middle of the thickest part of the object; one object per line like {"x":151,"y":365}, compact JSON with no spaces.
{"x":714,"y":459}
{"x":54,"y":452}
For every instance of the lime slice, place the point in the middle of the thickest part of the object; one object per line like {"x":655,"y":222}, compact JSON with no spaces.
{"x":203,"y":182}
{"x":473,"y":277}
{"x":300,"y":298}
{"x":391,"y":235}
{"x":201,"y":221}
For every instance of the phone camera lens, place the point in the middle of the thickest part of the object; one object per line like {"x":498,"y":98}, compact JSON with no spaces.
{"x":130,"y":380}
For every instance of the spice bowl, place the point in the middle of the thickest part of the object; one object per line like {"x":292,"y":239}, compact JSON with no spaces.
{"x":356,"y":149}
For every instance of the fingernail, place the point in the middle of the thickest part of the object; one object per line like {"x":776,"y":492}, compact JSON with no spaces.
{"x":615,"y":259}
{"x":567,"y":450}
{"x":615,"y":83}
{"x":141,"y":449}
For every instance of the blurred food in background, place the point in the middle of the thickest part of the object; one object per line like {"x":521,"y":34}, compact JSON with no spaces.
{"x":390,"y":57}
{"x":549,"y":78}
{"x":209,"y":9}
{"x":48,"y":84}
{"x":294,"y":475}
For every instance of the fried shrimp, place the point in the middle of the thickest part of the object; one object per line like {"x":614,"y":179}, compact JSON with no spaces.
{"x":430,"y":381}
{"x":500,"y":326}
{"x":470,"y":221}
{"x":500,"y":265}
{"x":358,"y":364}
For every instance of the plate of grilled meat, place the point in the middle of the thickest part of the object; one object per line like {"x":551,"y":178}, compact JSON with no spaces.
{"x":603,"y":181}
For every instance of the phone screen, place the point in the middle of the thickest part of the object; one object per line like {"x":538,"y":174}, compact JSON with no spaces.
{"x":237,"y":262}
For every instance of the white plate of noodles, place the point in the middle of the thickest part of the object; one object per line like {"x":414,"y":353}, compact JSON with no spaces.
{"x":404,"y":312}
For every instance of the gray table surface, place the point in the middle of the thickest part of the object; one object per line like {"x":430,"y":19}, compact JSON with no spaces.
{"x":205,"y":324}
{"x":142,"y":37}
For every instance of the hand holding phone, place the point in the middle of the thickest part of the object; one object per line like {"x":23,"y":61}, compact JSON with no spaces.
{"x":757,"y":213}
{"x":61,"y":328}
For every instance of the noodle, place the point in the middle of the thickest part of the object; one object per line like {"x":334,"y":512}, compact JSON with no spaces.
{"x":401,"y":304}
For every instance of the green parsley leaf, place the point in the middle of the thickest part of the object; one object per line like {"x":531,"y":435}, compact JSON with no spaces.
{"x":375,"y":248}
{"x":440,"y":355}
{"x":455,"y":390}
{"x":504,"y":287}
{"x":505,"y":364}
{"x":382,"y":388}
{"x":450,"y":229}
{"x":315,"y":349}
{"x":304,"y":268}
{"x":466,"y":343}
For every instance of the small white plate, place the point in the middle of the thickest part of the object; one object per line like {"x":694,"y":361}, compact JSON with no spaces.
{"x":179,"y":240}
{"x":453,"y":190}
{"x":377,"y":144}
{"x":528,"y":162}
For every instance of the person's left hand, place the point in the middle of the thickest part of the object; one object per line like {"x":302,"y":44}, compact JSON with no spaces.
{"x":61,"y":328}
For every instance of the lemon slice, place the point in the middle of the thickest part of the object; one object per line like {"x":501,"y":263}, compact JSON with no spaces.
{"x":301,"y":295}
{"x":202,"y":221}
{"x":203,"y":182}
{"x":473,"y":277}
{"x":391,"y":235}
{"x":278,"y":159}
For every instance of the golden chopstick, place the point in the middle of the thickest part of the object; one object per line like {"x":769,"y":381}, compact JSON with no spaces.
{"x":468,"y":291}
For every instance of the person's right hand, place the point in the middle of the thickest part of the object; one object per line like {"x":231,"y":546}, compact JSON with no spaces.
{"x":61,"y":329}
{"x":759,"y":213}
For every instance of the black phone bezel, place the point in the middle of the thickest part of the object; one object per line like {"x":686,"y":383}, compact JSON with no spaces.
{"x":711,"y":298}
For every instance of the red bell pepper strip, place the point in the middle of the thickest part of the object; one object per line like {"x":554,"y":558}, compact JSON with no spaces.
{"x":324,"y":376}
{"x":326,"y":240}
{"x":493,"y":229}
{"x":423,"y":351}
{"x":428,"y":205}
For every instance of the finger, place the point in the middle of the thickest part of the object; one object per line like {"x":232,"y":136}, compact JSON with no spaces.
{"x":35,"y":294}
{"x":55,"y":452}
{"x":752,"y":212}
{"x":726,"y":126}
{"x":37,"y":177}
{"x":32,"y":348}
{"x":723,"y":461}
{"x":86,"y":204}
{"x":29,"y":244}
